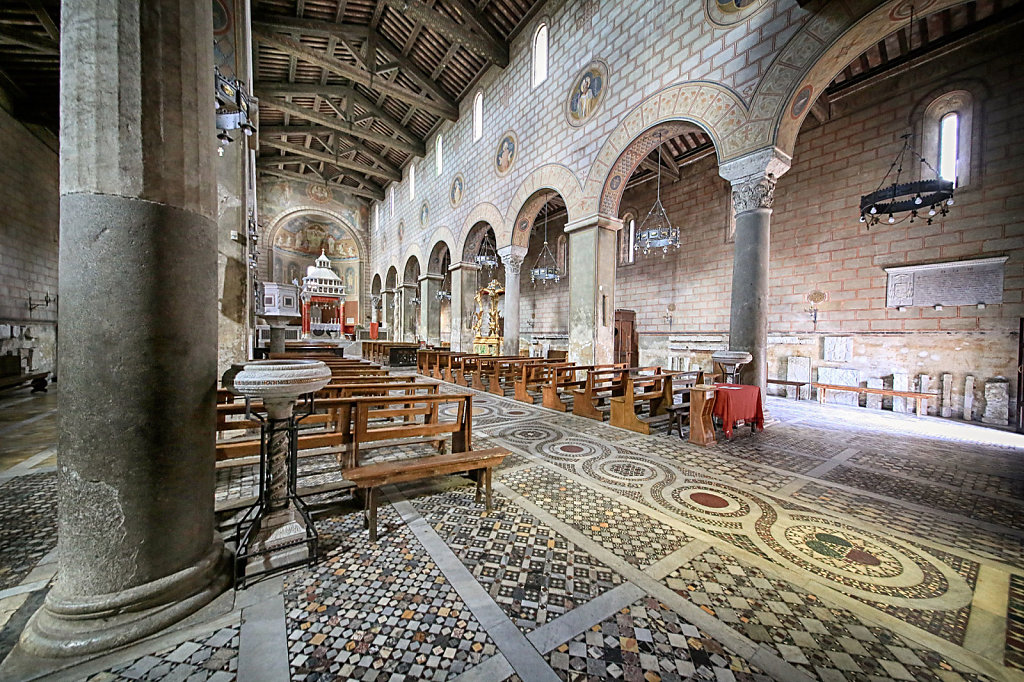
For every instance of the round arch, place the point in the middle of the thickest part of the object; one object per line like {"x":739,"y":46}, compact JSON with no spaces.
{"x":555,"y":178}
{"x":412,"y":255}
{"x":436,"y":259}
{"x":719,"y":111}
{"x":481,"y":213}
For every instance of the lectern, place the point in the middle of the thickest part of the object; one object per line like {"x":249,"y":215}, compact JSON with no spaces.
{"x":702,"y":401}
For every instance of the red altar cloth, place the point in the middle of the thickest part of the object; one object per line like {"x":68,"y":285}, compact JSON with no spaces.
{"x":734,"y":402}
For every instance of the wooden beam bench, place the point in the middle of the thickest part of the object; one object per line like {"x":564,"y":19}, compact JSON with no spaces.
{"x":921,"y":398}
{"x":797,"y":384}
{"x":479,"y":463}
{"x":565,"y":379}
{"x":36,"y":379}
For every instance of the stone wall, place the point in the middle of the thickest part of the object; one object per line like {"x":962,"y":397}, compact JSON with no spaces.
{"x":30,"y":224}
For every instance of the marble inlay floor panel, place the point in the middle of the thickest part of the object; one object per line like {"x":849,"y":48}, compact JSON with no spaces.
{"x":28,"y":525}
{"x":213,"y":658}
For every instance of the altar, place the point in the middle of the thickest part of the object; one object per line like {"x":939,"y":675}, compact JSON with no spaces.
{"x":488,"y":321}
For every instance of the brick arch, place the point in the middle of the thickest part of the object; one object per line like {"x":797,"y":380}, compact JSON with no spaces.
{"x":412,"y":257}
{"x":391,"y":279}
{"x":823,"y":46}
{"x":718,"y":110}
{"x":482,"y":213}
{"x":440,"y":248}
{"x":376,"y":285}
{"x":555,"y":178}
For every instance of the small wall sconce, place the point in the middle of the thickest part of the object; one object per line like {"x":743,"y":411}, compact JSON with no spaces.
{"x":901,"y":308}
{"x":45,"y":303}
{"x":981,"y":306}
{"x":937,"y":306}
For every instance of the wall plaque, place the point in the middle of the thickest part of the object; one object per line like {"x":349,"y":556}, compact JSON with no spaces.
{"x":966,"y":282}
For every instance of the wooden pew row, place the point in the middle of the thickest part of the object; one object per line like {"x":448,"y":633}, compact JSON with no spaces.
{"x":601,"y":384}
{"x":535,"y":376}
{"x":658,"y":390}
{"x":565,"y":380}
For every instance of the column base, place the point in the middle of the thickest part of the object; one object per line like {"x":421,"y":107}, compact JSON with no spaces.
{"x":74,"y":625}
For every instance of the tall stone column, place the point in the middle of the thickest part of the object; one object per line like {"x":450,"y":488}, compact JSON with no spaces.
{"x":464,"y":277}
{"x":753,"y":180}
{"x":512,"y":258}
{"x":592,"y":289}
{"x":387,"y":312}
{"x":410,"y":315}
{"x":430,"y":308}
{"x":136,"y":548}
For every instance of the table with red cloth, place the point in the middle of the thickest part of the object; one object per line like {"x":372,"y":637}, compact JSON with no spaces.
{"x":734,"y":402}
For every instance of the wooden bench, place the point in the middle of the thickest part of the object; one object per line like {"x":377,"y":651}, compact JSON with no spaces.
{"x":921,"y":398}
{"x":36,"y":379}
{"x":565,"y":379}
{"x":479,"y":463}
{"x":601,"y":384}
{"x":535,"y":376}
{"x":797,"y":384}
{"x":657,"y":390}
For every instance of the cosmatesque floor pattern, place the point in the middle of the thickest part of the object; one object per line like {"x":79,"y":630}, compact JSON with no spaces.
{"x":839,"y":544}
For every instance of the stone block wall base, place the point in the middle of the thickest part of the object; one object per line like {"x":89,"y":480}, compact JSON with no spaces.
{"x":78,"y":626}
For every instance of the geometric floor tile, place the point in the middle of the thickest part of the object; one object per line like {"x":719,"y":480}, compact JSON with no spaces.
{"x":213,"y":657}
{"x":379,"y":611}
{"x":648,"y":641}
{"x":622,"y":530}
{"x":531,"y":572}
{"x":1015,"y":623}
{"x":28,"y":524}
{"x":827,"y":642}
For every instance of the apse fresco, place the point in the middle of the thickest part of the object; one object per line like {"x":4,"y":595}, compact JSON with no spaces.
{"x":301,"y":240}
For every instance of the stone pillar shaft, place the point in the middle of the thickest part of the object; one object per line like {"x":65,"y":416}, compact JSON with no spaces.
{"x":464,"y":278}
{"x":753,"y":179}
{"x":592,"y":261}
{"x":136,"y":546}
{"x":512,"y":258}
{"x":430,"y":307}
{"x":410,"y":313}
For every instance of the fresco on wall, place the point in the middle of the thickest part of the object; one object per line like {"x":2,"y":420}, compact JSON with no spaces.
{"x":401,"y":230}
{"x":456,"y":191}
{"x":424,"y":214}
{"x":507,"y":152}
{"x":728,"y":12}
{"x":587,"y":93}
{"x":223,"y":38}
{"x":300,"y":241}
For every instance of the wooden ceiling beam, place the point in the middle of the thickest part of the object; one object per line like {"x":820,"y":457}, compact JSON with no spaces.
{"x":274,"y":22}
{"x":340,"y":92}
{"x":323,"y":130}
{"x":477,"y":21}
{"x":344,"y":189}
{"x":271,"y":161}
{"x":483,"y":45}
{"x":266,"y":100}
{"x":326,"y":157}
{"x":44,"y":18}
{"x":40,"y":44}
{"x":355,"y":74}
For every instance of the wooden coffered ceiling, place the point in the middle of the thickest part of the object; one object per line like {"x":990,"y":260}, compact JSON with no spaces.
{"x":350,"y":90}
{"x":30,"y":59}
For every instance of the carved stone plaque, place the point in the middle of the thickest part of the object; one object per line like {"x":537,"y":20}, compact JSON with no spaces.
{"x":968,"y":282}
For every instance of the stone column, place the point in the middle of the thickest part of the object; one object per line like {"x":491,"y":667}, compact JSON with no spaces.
{"x":387,"y":312}
{"x":136,"y":548}
{"x":410,"y":315}
{"x":430,"y":307}
{"x":591,"y":274}
{"x":512,"y":257}
{"x":753,"y":180}
{"x":464,"y":277}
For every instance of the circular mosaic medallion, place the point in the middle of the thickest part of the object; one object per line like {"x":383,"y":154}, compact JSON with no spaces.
{"x":571,"y":449}
{"x":843,"y":550}
{"x":627,"y":470}
{"x":586,"y":94}
{"x":729,"y":12}
{"x":709,"y":500}
{"x":507,"y":152}
{"x":716,"y":502}
{"x":319,"y":193}
{"x":457,"y":189}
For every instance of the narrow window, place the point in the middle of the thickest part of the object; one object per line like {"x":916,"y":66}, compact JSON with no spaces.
{"x":439,"y":154}
{"x":478,"y":115}
{"x":412,"y":181}
{"x":376,"y":216}
{"x":631,"y":255}
{"x":540,"y":55}
{"x":391,"y":202}
{"x":949,"y":138}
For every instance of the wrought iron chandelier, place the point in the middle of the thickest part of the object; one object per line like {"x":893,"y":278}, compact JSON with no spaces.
{"x":445,"y":292}
{"x":488,"y":256}
{"x":657,"y":231}
{"x":233,"y":107}
{"x":907,"y":197}
{"x":546,"y":268}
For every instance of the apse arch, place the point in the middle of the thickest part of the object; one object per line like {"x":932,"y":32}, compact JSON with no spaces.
{"x":716,"y":109}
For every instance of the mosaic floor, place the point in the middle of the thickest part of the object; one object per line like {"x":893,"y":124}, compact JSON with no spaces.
{"x":839,"y":544}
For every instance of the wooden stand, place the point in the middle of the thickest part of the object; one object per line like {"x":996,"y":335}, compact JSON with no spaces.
{"x":702,"y":401}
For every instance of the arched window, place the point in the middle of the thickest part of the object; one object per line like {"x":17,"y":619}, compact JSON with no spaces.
{"x":627,"y":239}
{"x":946,"y":136}
{"x":478,"y":115}
{"x":439,"y":154}
{"x":949,"y":133}
{"x":376,"y":216}
{"x":412,"y":181}
{"x":391,"y":202}
{"x":540,"y":55}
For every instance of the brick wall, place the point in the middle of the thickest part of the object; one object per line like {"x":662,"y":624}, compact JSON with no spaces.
{"x":546,"y":305}
{"x":29,"y":225}
{"x":818,"y":243}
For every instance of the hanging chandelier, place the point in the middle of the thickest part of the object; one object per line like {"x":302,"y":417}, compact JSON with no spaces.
{"x":233,"y":107}
{"x":488,"y":256}
{"x":907,"y":197}
{"x":445,"y":292}
{"x":656,"y":231}
{"x":546,"y":268}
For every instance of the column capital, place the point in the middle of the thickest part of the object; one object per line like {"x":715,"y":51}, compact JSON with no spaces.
{"x":595,"y":220}
{"x":512,"y":258}
{"x":409,"y":285}
{"x":463,"y":265}
{"x":753,"y":177}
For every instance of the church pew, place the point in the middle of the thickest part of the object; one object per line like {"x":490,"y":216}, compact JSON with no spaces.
{"x":657,"y":390}
{"x":601,"y":384}
{"x":535,"y":376}
{"x":487,"y":376}
{"x":565,"y":379}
